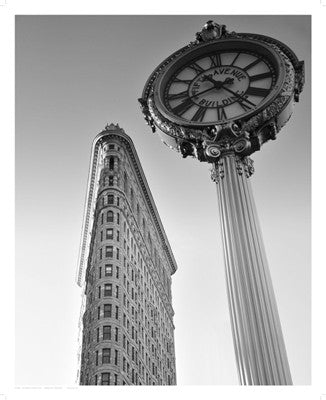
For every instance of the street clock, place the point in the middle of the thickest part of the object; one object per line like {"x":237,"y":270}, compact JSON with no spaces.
{"x":224,"y":85}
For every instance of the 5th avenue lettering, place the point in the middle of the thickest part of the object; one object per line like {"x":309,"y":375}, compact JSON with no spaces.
{"x":229,"y":71}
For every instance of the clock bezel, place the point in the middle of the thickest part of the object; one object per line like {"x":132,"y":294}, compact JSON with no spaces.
{"x":232,"y":45}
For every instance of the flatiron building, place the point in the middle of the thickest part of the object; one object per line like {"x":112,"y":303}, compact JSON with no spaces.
{"x":125,"y":269}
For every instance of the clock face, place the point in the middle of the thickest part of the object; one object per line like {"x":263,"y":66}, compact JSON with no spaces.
{"x":219,"y":86}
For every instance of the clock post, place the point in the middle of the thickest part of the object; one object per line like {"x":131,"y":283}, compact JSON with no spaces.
{"x":219,"y":99}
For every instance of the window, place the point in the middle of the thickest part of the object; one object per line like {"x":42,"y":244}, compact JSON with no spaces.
{"x":109,"y":233}
{"x":99,"y":292}
{"x":107,"y":332}
{"x":116,"y":312}
{"x":107,"y":310}
{"x":118,"y":236}
{"x":95,"y":381}
{"x":108,"y":289}
{"x":111,"y":164}
{"x":138,"y":213}
{"x":109,"y":251}
{"x":111,"y":146}
{"x":118,"y":218}
{"x":118,"y":254}
{"x":110,"y":199}
{"x":98,"y":335}
{"x":109,"y":216}
{"x":102,"y":218}
{"x":96,"y":357}
{"x":118,"y":201}
{"x":125,"y":183}
{"x":98,"y":312}
{"x":100,"y":253}
{"x":116,"y":357}
{"x":108,"y":269}
{"x":150,"y":243}
{"x":100,"y":272}
{"x":117,"y":272}
{"x":116,"y":336}
{"x":115,"y":379}
{"x":117,"y":292}
{"x":106,"y":356}
{"x":110,"y":180}
{"x":105,"y":378}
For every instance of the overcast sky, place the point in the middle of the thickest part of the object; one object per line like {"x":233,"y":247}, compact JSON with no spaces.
{"x":74,"y":74}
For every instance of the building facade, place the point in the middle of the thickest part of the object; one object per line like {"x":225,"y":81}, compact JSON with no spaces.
{"x":125,"y":267}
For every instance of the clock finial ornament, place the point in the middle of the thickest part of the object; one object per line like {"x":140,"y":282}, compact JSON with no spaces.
{"x":210,"y":31}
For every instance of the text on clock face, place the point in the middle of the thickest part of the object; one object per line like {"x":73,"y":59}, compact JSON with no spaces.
{"x":219,"y":86}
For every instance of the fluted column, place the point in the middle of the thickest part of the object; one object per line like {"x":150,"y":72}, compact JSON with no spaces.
{"x":257,"y":335}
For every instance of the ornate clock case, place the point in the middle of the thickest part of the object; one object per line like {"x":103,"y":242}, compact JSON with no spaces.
{"x":243,"y":133}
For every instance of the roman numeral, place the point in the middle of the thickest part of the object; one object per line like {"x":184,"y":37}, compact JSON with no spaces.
{"x":215,"y":60}
{"x":178,"y":80}
{"x":257,"y":61}
{"x":197,"y":68}
{"x":235,"y":58}
{"x":254,"y":91}
{"x":245,"y":106}
{"x":199,"y":114}
{"x":176,"y":96}
{"x":221,"y":114}
{"x":183,"y":107}
{"x":260,"y":76}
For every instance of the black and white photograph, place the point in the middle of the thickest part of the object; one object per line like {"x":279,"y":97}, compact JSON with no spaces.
{"x":174,"y":127}
{"x":162,"y":205}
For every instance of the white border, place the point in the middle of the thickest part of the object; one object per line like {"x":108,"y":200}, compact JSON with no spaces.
{"x":7,"y":13}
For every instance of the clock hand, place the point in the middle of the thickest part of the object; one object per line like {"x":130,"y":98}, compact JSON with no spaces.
{"x":218,"y":84}
{"x":198,"y":94}
{"x":238,"y":96}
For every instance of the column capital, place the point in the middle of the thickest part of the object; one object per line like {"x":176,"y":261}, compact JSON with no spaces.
{"x":244,"y":166}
